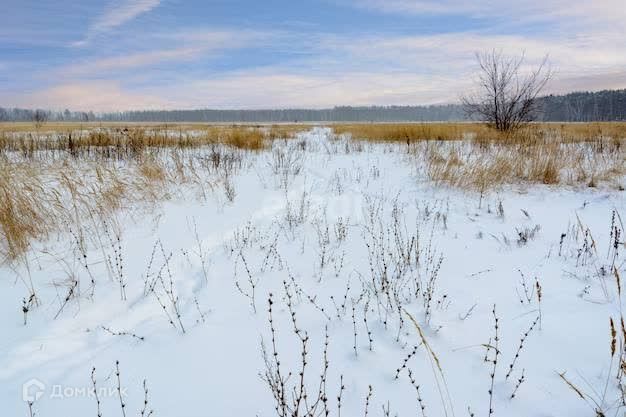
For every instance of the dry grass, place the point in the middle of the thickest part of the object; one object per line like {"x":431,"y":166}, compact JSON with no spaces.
{"x":403,"y":131}
{"x":38,"y":198}
{"x":473,"y":156}
{"x":411,"y":132}
{"x":52,"y":127}
{"x":51,"y":180}
{"x":121,"y":141}
{"x":22,"y":212}
{"x":62,"y":174}
{"x":485,"y":167}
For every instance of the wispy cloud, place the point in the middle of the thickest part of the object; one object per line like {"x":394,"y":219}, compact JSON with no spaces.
{"x":98,"y":66}
{"x":185,"y":45}
{"x":416,"y":6}
{"x":222,"y":37}
{"x":121,"y":13}
{"x":591,"y":81}
{"x":599,"y":10}
{"x":283,"y":88}
{"x":247,"y":59}
{"x":337,"y":69}
{"x":277,"y":87}
{"x":116,"y":14}
{"x":454,"y":52}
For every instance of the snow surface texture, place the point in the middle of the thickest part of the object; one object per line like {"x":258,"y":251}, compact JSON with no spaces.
{"x":335,"y":227}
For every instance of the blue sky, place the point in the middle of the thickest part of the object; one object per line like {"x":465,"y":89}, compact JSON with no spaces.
{"x":123,"y":54}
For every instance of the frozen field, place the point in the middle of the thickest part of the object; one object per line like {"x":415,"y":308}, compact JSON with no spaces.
{"x":395,"y":281}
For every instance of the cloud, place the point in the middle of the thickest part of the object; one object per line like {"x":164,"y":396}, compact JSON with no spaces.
{"x":222,"y":37}
{"x":282,"y":87}
{"x":118,"y":13}
{"x":316,"y":69}
{"x":94,"y":95}
{"x":408,"y":6}
{"x":593,"y":82}
{"x":122,"y":13}
{"x":98,"y":66}
{"x":195,"y":44}
{"x":385,"y":70}
{"x":526,"y":10}
{"x":337,"y":70}
{"x":265,"y":88}
{"x":452,"y":54}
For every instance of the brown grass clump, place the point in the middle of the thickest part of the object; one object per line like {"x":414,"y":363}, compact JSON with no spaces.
{"x":548,"y":172}
{"x":285,"y":131}
{"x":39,"y":197}
{"x":250,"y":138}
{"x":22,"y":215}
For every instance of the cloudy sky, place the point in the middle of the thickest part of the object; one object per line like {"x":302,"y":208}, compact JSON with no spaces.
{"x":134,"y":54}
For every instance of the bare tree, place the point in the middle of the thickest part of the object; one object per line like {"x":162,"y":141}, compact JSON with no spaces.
{"x":506,"y":97}
{"x":40,"y":117}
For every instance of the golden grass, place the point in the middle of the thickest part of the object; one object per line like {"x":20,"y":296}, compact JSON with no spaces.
{"x":51,"y":180}
{"x":402,"y":131}
{"x":483,"y":167}
{"x":42,"y":196}
{"x":474,"y":156}
{"x":55,"y":127}
{"x":22,"y":213}
{"x":411,"y":132}
{"x":117,"y":140}
{"x":103,"y":167}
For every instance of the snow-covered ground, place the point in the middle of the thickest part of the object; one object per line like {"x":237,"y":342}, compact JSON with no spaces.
{"x":337,"y":230}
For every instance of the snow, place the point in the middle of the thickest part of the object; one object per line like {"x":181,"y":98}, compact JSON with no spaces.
{"x":214,"y":368}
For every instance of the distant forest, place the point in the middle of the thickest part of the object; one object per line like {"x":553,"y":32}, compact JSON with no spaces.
{"x":608,"y":105}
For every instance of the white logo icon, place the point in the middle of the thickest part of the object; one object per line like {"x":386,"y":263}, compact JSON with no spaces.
{"x":32,"y":390}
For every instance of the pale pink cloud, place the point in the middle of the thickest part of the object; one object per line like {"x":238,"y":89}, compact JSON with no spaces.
{"x":281,"y":88}
{"x":95,"y":95}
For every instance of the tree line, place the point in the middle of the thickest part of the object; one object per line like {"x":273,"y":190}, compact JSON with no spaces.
{"x":607,"y":105}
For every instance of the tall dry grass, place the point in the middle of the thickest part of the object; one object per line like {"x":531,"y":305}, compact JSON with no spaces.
{"x":403,"y":132}
{"x":53,"y":127}
{"x":125,"y":141}
{"x":484,"y":165}
{"x":473,"y":156}
{"x":55,"y":177}
{"x":22,"y":211}
{"x":38,"y":198}
{"x":49,"y":180}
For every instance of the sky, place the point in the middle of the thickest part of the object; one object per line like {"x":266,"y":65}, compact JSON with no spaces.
{"x":116,"y":55}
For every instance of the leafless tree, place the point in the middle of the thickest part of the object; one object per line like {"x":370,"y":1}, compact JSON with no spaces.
{"x":40,"y":117}
{"x":506,"y":96}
